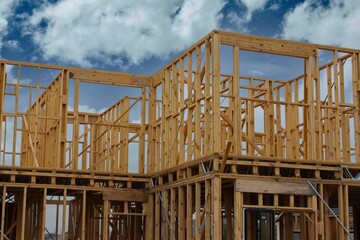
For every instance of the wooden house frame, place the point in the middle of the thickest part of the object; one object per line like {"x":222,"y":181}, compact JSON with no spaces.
{"x":202,"y":163}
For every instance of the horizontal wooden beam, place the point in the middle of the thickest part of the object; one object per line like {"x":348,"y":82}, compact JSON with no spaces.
{"x":126,"y":195}
{"x":267,"y":45}
{"x":113,"y":78}
{"x":91,"y":75}
{"x":273,"y":187}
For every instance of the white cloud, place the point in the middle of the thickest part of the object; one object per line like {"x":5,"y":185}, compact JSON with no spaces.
{"x":138,"y":120}
{"x":237,"y":21}
{"x":240,"y":20}
{"x":81,"y":31}
{"x":274,"y":6}
{"x":87,"y":109}
{"x":13,"y":45}
{"x":6,"y":10}
{"x":256,"y":73}
{"x":335,"y":24}
{"x":253,"y":6}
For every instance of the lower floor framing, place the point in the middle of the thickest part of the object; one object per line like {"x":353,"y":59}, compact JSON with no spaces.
{"x":205,"y":199}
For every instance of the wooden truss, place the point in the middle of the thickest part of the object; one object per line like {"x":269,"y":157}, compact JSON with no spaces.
{"x":197,"y":144}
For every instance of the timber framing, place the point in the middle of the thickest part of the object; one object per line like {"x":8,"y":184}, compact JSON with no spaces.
{"x":192,"y":152}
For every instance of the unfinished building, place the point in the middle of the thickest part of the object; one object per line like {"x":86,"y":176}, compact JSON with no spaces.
{"x":203,"y":149}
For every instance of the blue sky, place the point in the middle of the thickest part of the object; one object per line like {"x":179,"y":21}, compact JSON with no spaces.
{"x":142,"y":36}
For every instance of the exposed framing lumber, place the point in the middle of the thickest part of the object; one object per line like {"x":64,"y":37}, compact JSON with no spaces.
{"x":91,"y":75}
{"x":202,"y":151}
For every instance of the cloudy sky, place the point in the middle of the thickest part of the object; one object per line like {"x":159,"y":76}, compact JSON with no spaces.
{"x":141,"y":36}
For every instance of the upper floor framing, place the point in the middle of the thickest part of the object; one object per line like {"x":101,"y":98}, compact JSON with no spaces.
{"x":201,"y":103}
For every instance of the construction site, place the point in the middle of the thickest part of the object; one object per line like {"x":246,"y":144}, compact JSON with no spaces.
{"x":202,"y":149}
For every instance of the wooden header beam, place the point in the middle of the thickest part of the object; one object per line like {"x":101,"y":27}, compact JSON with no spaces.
{"x":91,"y":75}
{"x":274,"y":45}
{"x":126,"y":195}
{"x":114,"y":78}
{"x":267,"y":45}
{"x":273,"y":187}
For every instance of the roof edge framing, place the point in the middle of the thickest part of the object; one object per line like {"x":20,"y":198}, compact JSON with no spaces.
{"x":256,"y":44}
{"x":267,"y":45}
{"x":94,"y":76}
{"x":243,"y":41}
{"x":275,"y":45}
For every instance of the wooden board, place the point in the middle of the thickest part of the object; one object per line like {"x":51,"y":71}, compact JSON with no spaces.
{"x":126,"y":195}
{"x":267,"y":45}
{"x":272,"y":187}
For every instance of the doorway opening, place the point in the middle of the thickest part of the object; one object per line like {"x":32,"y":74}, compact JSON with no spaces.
{"x":259,"y":224}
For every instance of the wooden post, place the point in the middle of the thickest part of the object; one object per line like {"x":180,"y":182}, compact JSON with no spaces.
{"x":181,"y":213}
{"x":289,"y":114}
{"x":238,"y":215}
{"x":152,"y":130}
{"x":318,"y":127}
{"x":174,"y":119}
{"x":314,"y":218}
{"x":2,"y":99}
{"x":165,"y":225}
{"x":250,"y":127}
{"x":83,"y":215}
{"x":150,"y":217}
{"x":269,"y":120}
{"x":21,"y":215}
{"x":173,"y":208}
{"x":207,"y":209}
{"x":207,"y":134}
{"x":190,"y":127}
{"x":197,"y":112}
{"x":197,"y":210}
{"x":124,"y":137}
{"x":345,"y":195}
{"x":322,"y":210}
{"x":75,"y":143}
{"x":189,"y":211}
{"x":182,"y":133}
{"x":105,"y":220}
{"x":165,"y":120}
{"x":341,"y":204}
{"x":309,"y":116}
{"x":42,"y":215}
{"x":216,"y":209}
{"x":141,"y":167}
{"x":63,"y":225}
{"x":158,"y":209}
{"x":3,"y":209}
{"x":337,"y":113}
{"x":356,"y":99}
{"x":63,"y":119}
{"x":215,"y":47}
